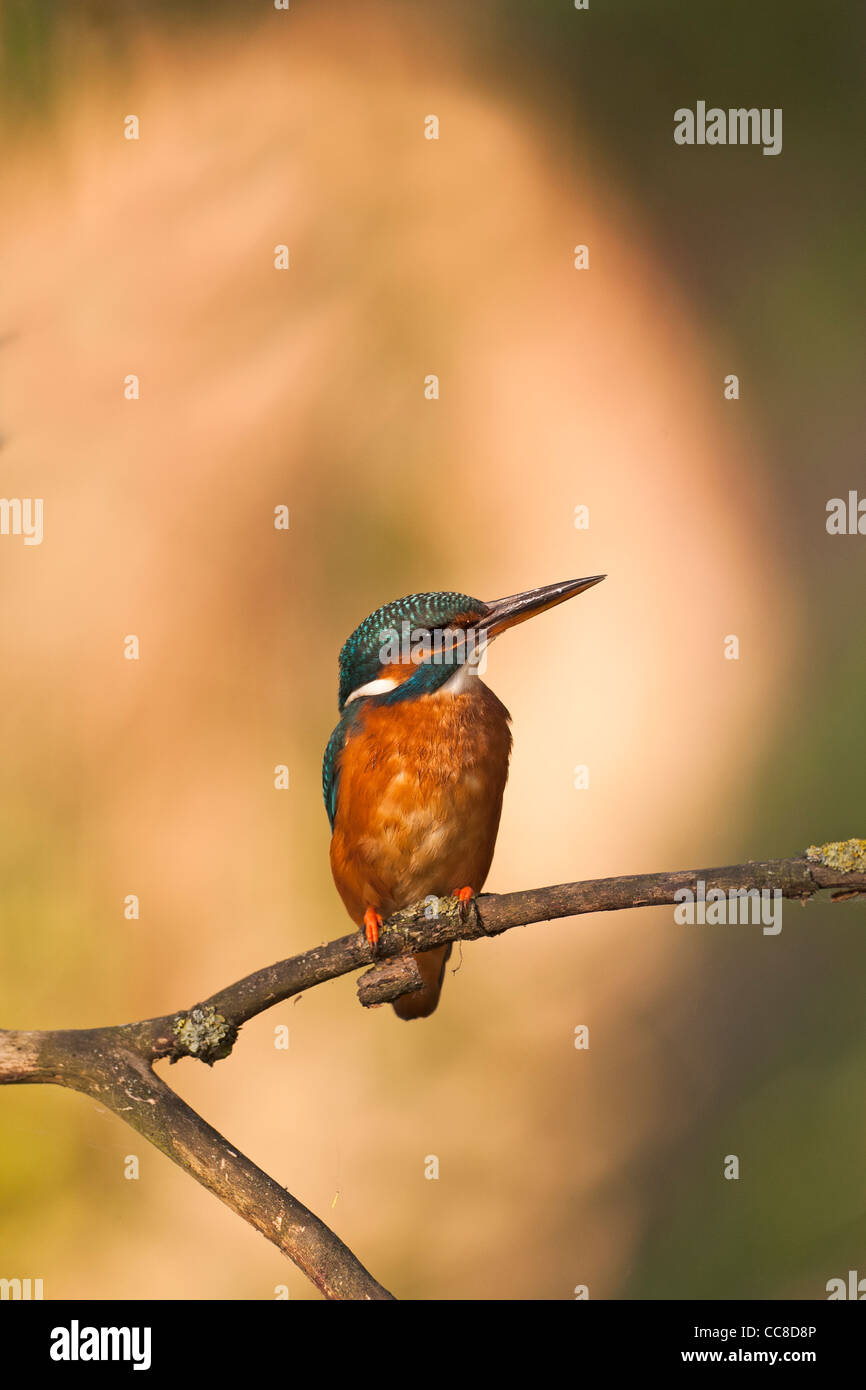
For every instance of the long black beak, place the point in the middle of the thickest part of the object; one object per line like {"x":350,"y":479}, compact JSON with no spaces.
{"x":508,"y":612}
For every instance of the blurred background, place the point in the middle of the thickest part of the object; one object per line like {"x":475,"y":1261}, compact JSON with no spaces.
{"x":558,"y":389}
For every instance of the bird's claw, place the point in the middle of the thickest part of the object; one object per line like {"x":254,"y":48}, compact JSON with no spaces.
{"x":372,"y":923}
{"x":464,"y":896}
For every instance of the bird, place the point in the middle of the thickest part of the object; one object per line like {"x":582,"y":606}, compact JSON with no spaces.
{"x":414,"y":774}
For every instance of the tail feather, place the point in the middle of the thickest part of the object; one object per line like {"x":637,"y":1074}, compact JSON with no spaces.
{"x":431,"y":965}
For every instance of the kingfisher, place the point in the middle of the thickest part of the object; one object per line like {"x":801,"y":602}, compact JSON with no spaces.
{"x":414,"y":773}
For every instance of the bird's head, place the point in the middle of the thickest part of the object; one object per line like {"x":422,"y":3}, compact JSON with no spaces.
{"x":415,"y":645}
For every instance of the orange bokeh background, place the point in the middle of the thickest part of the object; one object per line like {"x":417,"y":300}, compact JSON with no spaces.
{"x":259,"y":387}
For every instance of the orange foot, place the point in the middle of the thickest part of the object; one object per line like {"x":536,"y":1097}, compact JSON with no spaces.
{"x":372,"y":923}
{"x":464,"y":896}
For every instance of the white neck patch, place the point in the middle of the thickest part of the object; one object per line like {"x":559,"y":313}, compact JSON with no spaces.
{"x":461,"y":682}
{"x":372,"y":688}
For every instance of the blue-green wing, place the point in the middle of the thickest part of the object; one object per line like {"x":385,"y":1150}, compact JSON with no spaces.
{"x":331,"y":763}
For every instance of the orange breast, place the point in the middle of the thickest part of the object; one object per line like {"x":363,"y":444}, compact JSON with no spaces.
{"x":420,"y":795}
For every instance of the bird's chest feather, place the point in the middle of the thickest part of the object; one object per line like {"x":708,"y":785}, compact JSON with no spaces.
{"x":420,"y":796}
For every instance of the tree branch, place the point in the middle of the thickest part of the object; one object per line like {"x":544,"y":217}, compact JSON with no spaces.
{"x":841,"y":866}
{"x":115,"y":1065}
{"x":101,"y":1063}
